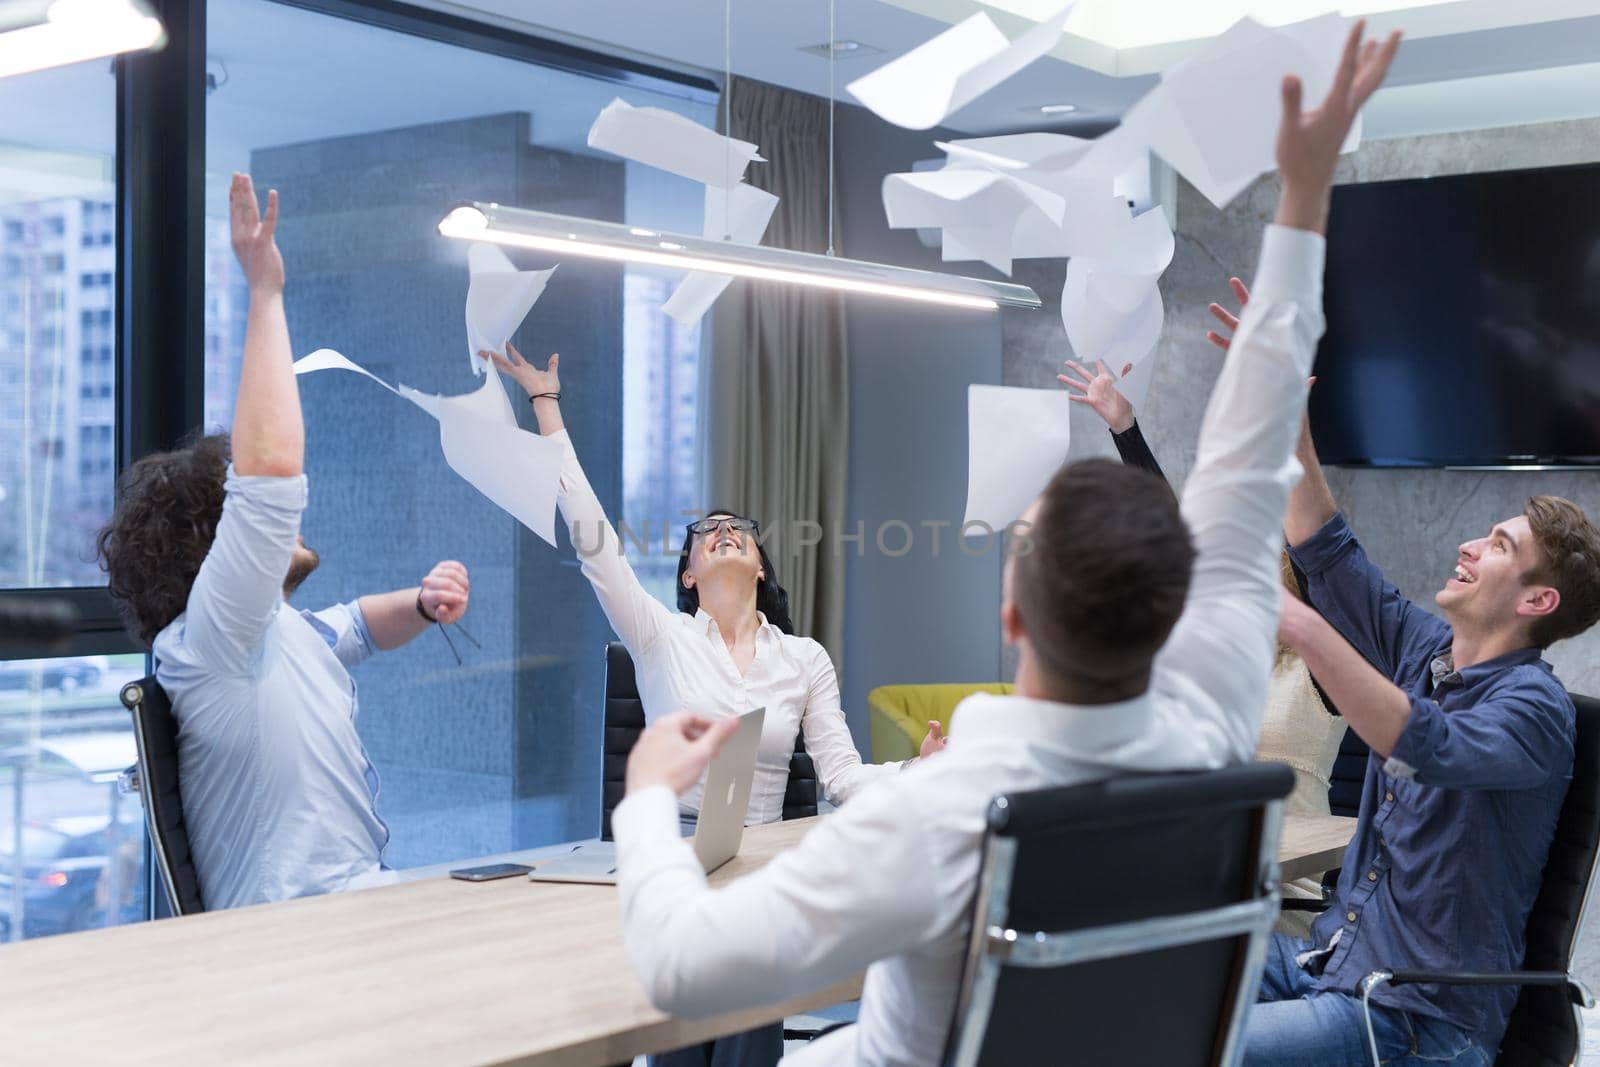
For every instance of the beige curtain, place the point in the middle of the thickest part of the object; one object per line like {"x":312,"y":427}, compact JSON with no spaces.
{"x":778,"y":423}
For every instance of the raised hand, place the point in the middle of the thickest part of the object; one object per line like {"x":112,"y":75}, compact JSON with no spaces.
{"x":1229,"y":320}
{"x":1099,"y":391}
{"x":934,"y":743}
{"x":445,"y":591}
{"x":1309,"y":141}
{"x":675,"y":750}
{"x":254,"y":235}
{"x":525,"y":374}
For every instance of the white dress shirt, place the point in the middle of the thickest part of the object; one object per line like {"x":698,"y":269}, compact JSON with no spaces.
{"x":278,"y":794}
{"x":887,"y":884}
{"x":681,"y":662}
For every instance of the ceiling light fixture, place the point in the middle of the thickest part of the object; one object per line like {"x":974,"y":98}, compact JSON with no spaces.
{"x":567,"y":235}
{"x":1057,"y":109}
{"x":841,"y":50}
{"x":38,"y":34}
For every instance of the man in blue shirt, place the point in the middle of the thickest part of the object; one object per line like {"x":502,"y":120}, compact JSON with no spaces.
{"x":1472,"y":746}
{"x":278,"y":793}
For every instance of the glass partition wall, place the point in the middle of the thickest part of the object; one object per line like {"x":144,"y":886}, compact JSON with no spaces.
{"x":118,"y":337}
{"x":503,"y":750}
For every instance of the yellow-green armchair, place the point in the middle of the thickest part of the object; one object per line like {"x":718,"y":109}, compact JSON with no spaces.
{"x":901,"y":713}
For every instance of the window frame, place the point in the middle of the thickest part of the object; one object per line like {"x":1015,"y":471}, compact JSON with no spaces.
{"x":159,"y":300}
{"x":158,"y":316}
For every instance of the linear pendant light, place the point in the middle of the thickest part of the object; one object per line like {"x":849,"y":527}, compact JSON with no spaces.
{"x":38,"y":34}
{"x":569,"y":235}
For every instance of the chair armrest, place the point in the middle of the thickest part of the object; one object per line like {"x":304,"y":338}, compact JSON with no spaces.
{"x":1302,"y":904}
{"x":893,"y":734}
{"x":1576,"y":990}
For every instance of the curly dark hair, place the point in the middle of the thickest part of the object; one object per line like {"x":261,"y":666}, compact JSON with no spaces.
{"x":168,"y":507}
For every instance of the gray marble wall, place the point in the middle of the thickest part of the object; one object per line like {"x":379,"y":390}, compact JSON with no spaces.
{"x":1410,"y":520}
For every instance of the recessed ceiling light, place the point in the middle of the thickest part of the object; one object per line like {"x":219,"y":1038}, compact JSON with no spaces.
{"x":841,"y":50}
{"x":1055,"y":109}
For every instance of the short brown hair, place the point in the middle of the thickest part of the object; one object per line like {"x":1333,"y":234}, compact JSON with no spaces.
{"x":1570,"y":546}
{"x":1105,"y":574}
{"x":168,"y":507}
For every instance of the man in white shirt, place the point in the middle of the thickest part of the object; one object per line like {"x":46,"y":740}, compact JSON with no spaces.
{"x":1130,"y":660}
{"x":278,"y":793}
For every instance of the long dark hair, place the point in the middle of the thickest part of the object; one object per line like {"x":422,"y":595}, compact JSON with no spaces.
{"x":771,"y":599}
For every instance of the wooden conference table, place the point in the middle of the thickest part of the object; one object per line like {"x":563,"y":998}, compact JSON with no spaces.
{"x":433,"y":971}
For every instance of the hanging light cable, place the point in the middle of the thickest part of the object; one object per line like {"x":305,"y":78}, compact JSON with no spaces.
{"x":567,"y":235}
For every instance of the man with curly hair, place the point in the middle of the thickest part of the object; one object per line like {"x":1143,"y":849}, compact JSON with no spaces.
{"x":202,"y":552}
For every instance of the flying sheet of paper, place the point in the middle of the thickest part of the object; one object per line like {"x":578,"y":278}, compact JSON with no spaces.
{"x":1095,"y":224}
{"x":1111,"y":318}
{"x":1215,"y":116}
{"x":1016,"y":151}
{"x":740,"y":215}
{"x":1016,"y":440}
{"x":670,"y":142}
{"x":925,"y":86}
{"x":518,"y":471}
{"x":499,"y":297}
{"x":328,"y":359}
{"x":955,"y":197}
{"x":1135,"y":385}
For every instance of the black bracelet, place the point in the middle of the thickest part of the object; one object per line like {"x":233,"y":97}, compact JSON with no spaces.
{"x":422,"y":610}
{"x":539,"y":396}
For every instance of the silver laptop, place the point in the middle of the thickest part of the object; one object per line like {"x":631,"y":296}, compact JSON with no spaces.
{"x":717,"y":833}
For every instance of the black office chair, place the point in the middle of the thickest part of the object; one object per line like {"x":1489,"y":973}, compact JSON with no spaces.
{"x":1545,"y":1029}
{"x":624,"y":722}
{"x":1348,"y":775}
{"x":1097,"y":901}
{"x":156,"y":734}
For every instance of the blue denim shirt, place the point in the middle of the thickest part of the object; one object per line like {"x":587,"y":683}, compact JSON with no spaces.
{"x":1456,"y":825}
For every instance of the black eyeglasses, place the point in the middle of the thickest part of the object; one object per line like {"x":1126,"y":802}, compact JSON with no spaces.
{"x":706,"y":526}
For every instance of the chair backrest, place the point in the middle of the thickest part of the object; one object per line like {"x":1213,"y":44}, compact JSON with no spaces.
{"x":1543,"y":1030}
{"x":624,"y":722}
{"x":155,"y":731}
{"x":1348,"y":775}
{"x":1097,"y":901}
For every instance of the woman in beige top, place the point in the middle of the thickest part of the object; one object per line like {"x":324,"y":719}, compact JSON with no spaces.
{"x":1297,"y":729}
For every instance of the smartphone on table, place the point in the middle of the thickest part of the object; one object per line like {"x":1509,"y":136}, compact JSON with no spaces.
{"x":490,"y":872}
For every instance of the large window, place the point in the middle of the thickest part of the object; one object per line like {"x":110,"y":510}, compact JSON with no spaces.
{"x":371,"y":135}
{"x":72,"y":852}
{"x":71,"y":836}
{"x":57,"y":293}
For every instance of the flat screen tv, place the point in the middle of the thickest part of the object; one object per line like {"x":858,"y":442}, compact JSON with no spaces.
{"x":1463,"y":322}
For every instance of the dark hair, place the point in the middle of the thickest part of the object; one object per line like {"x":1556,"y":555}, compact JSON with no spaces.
{"x":168,"y":507}
{"x":771,"y":599}
{"x":1105,"y":575}
{"x":1570,"y":545}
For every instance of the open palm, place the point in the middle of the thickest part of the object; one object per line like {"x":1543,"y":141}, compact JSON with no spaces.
{"x":533,"y":380}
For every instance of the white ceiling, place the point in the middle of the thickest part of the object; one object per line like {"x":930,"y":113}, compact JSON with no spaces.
{"x":296,"y":76}
{"x":1467,"y":52}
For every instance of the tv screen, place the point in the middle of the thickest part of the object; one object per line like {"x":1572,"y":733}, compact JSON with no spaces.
{"x":1463,"y":322}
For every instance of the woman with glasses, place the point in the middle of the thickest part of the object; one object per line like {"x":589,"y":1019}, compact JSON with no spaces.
{"x":730,"y":647}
